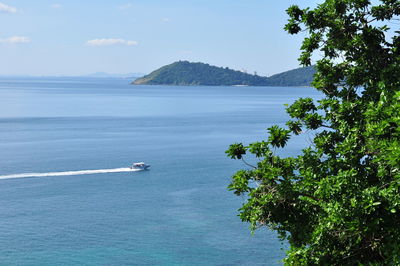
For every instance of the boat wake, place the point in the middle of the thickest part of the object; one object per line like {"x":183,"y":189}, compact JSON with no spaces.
{"x":69,"y":173}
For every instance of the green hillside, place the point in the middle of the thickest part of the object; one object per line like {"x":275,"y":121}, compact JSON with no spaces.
{"x":187,"y":73}
{"x":297,"y":77}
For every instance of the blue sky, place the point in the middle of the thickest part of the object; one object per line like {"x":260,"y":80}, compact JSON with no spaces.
{"x":77,"y":37}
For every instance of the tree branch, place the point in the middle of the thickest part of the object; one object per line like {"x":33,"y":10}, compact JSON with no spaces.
{"x":246,"y":163}
{"x":309,"y":196}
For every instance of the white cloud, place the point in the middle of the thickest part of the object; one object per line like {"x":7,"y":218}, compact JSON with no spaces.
{"x":166,"y":20}
{"x":15,"y":39}
{"x":56,"y":6}
{"x":126,"y":6}
{"x":107,"y":42}
{"x":131,"y":43}
{"x":7,"y":9}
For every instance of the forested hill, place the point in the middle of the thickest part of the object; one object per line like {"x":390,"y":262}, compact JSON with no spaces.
{"x":297,"y":77}
{"x":187,"y":73}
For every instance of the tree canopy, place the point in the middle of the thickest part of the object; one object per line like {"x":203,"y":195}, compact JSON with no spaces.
{"x":338,"y":201}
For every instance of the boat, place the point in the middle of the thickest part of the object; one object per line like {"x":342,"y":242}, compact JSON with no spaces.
{"x":140,"y":166}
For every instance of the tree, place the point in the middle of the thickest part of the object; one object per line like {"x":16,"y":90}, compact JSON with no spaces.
{"x":338,"y":202}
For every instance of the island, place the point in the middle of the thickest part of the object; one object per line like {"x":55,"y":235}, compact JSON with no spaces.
{"x":185,"y":73}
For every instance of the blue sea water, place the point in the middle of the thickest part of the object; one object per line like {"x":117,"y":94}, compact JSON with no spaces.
{"x":178,"y":213}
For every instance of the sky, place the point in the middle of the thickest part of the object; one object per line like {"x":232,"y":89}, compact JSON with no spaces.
{"x":79,"y":37}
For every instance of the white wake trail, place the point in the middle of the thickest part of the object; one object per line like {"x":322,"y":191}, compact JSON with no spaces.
{"x":67,"y":173}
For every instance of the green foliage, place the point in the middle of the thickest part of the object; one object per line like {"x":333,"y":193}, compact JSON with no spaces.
{"x":338,"y":202}
{"x":187,"y":73}
{"x":278,"y":137}
{"x":236,"y":151}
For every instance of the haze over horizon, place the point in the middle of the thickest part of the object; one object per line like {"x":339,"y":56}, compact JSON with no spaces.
{"x":73,"y":38}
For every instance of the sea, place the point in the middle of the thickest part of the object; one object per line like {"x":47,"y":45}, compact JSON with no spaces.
{"x":66,"y":200}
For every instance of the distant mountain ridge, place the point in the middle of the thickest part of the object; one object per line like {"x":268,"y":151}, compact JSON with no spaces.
{"x":187,"y":73}
{"x":110,"y":75}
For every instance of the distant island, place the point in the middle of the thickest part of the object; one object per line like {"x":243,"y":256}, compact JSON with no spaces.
{"x":189,"y":74}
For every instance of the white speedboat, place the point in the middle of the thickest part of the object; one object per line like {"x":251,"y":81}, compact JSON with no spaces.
{"x":140,"y":166}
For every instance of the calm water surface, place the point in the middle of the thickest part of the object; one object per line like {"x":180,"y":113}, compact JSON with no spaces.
{"x":178,"y":213}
